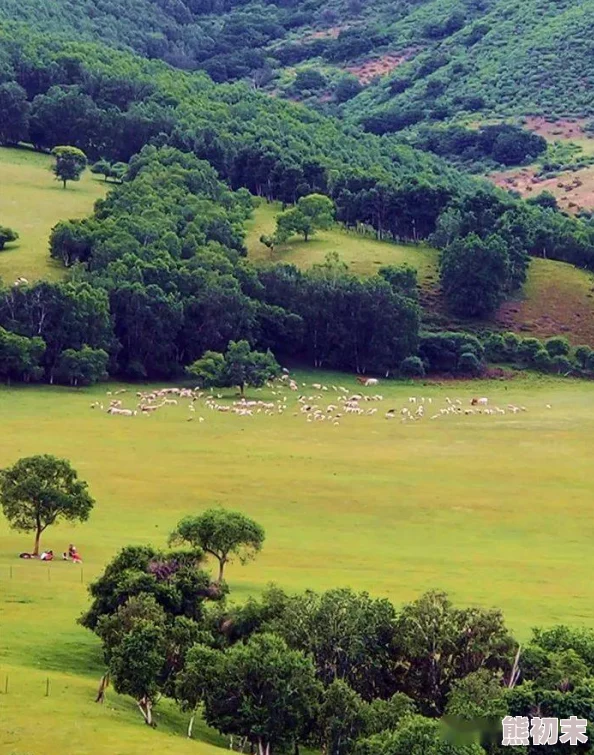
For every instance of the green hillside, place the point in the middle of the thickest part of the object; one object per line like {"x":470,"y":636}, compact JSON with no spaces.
{"x":434,"y":59}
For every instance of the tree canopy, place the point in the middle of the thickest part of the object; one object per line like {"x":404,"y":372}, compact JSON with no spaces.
{"x":38,"y":491}
{"x":223,"y":534}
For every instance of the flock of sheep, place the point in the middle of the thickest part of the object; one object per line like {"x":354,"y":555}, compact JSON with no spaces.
{"x":328,"y":403}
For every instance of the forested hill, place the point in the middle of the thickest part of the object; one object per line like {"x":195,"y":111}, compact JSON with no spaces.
{"x":428,"y":59}
{"x":110,"y":104}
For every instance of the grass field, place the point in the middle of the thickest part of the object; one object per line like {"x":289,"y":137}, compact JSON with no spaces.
{"x":362,"y":254}
{"x":495,"y":509}
{"x":32,"y":202}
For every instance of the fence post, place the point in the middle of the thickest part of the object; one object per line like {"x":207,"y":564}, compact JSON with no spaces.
{"x":6,"y":685}
{"x":47,"y":687}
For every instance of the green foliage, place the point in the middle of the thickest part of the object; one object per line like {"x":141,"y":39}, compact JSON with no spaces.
{"x":222,"y":534}
{"x":308,"y":80}
{"x":341,"y":720}
{"x":416,"y":735}
{"x":20,"y":357}
{"x":262,"y":690}
{"x":14,"y":111}
{"x":313,"y":212}
{"x":412,"y":367}
{"x":70,"y":163}
{"x":469,"y":364}
{"x":7,"y":235}
{"x":346,"y":88}
{"x":37,"y":491}
{"x":239,"y":366}
{"x":83,"y":366}
{"x":474,"y":275}
{"x":558,"y":346}
{"x":441,"y":352}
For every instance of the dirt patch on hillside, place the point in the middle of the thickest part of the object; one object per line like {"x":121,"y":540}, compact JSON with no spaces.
{"x":378,"y":67}
{"x":574,"y":190}
{"x":331,"y":32}
{"x":558,"y":299}
{"x":563,"y":129}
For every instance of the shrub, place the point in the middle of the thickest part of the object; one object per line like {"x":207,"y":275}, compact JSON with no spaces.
{"x":583,"y":354}
{"x":557,"y":346}
{"x":412,"y":367}
{"x":511,"y":343}
{"x":495,"y":347}
{"x":542,"y":360}
{"x":468,"y":364}
{"x":528,"y":348}
{"x":562,"y":364}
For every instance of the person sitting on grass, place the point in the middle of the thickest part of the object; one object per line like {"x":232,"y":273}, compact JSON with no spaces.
{"x":47,"y":556}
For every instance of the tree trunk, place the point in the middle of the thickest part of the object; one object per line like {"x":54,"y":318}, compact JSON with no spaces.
{"x":102,"y":687}
{"x":191,"y":726}
{"x":38,"y":532}
{"x":64,"y":182}
{"x":146,"y":708}
{"x":222,"y":563}
{"x":242,"y":390}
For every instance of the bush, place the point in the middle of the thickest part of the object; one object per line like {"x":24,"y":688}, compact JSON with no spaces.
{"x":583,"y":354}
{"x":468,"y":364}
{"x":7,"y":235}
{"x":412,"y":367}
{"x":558,"y":346}
{"x":542,"y":361}
{"x":562,"y":364}
{"x":528,"y":348}
{"x":308,"y":79}
{"x":511,"y":344}
{"x":442,"y":351}
{"x":495,"y":347}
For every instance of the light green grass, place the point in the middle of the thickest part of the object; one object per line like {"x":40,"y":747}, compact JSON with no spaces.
{"x":32,"y":202}
{"x":495,"y":509}
{"x":363,"y":255}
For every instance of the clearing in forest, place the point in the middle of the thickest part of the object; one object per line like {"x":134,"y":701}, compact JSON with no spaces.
{"x":32,"y":202}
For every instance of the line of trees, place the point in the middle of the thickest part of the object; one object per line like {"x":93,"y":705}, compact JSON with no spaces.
{"x":339,"y":671}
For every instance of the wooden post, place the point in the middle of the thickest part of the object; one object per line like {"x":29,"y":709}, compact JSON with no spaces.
{"x":11,"y":572}
{"x":81,"y":575}
{"x":6,"y":685}
{"x":49,"y":577}
{"x":47,"y":687}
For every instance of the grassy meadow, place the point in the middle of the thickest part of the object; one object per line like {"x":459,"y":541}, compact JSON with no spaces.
{"x":494,"y":509}
{"x":32,"y":202}
{"x":363,"y":255}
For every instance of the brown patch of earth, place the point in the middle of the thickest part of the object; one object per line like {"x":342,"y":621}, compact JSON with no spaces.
{"x":377,"y":67}
{"x":574,"y":190}
{"x":563,"y":129}
{"x":331,"y":32}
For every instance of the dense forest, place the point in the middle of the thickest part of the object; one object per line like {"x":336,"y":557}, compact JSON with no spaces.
{"x":450,"y":57}
{"x":164,"y":252}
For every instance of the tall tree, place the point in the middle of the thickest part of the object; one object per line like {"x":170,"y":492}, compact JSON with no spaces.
{"x":223,"y":534}
{"x":261,"y":690}
{"x":37,"y":491}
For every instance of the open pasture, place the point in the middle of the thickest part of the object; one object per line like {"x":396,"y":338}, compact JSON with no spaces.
{"x":32,"y":202}
{"x":494,"y":508}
